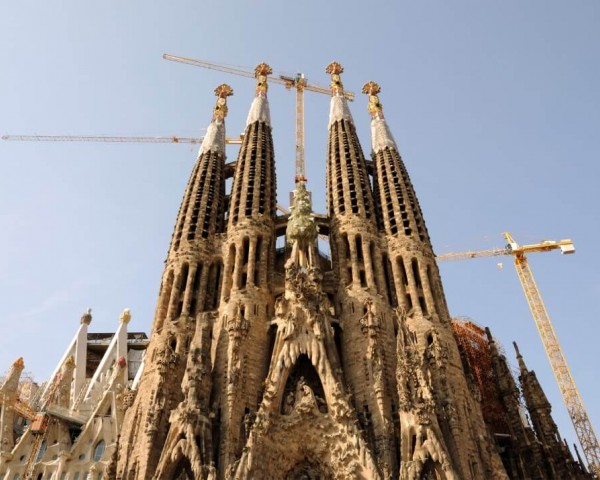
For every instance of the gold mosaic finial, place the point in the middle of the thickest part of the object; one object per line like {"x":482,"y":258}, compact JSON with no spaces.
{"x":260,"y":72}
{"x":334,"y":69}
{"x":375,"y":107}
{"x":222,"y":92}
{"x":19,"y":363}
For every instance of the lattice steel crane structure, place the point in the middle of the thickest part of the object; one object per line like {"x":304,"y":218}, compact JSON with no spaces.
{"x":299,"y":82}
{"x":558,"y":362}
{"x":38,"y":423}
{"x":110,"y":139}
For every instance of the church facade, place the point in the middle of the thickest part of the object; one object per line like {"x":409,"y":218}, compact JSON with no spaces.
{"x":277,"y":363}
{"x":283,"y":363}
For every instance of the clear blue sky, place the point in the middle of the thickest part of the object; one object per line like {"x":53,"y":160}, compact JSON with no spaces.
{"x":494,"y":105}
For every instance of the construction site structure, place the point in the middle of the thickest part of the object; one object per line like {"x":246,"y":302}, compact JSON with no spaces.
{"x":70,"y":429}
{"x":299,"y":82}
{"x":518,"y":414}
{"x":111,"y":139}
{"x":277,"y":363}
{"x":268,"y":363}
{"x":558,"y":362}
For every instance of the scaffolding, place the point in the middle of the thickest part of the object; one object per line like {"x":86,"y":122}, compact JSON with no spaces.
{"x":472,"y":340}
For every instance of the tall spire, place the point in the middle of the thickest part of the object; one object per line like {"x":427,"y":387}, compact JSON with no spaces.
{"x":381,"y":136}
{"x":559,"y":460}
{"x":247,"y":294}
{"x":259,"y":110}
{"x":189,"y":290}
{"x":397,"y":199}
{"x":253,"y":191}
{"x":339,"y":105}
{"x":522,"y":366}
{"x":214,"y":140}
{"x":348,"y":177}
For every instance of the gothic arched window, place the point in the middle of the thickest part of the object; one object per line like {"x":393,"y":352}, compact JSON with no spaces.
{"x":99,"y":450}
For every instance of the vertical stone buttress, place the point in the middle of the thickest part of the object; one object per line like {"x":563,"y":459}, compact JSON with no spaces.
{"x":559,"y":461}
{"x":417,"y":290}
{"x":366,"y":317}
{"x":9,"y":391}
{"x":521,"y":454}
{"x":241,"y":333}
{"x":189,"y":288}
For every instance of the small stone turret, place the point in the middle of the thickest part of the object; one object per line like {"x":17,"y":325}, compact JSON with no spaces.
{"x":558,"y":460}
{"x":520,"y":451}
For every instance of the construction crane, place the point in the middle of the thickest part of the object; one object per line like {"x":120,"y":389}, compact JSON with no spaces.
{"x":109,"y":139}
{"x":39,"y":427}
{"x":20,"y":407}
{"x":299,"y":82}
{"x":558,"y":362}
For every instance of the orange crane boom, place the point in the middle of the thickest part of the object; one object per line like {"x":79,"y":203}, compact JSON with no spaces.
{"x":558,"y":362}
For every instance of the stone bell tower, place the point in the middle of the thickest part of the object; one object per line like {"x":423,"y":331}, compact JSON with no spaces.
{"x":273,"y":363}
{"x":173,"y":395}
{"x":441,"y":424}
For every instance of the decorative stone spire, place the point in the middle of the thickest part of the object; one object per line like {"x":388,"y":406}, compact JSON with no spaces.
{"x":339,"y":106}
{"x":522,"y":366}
{"x":253,"y":190}
{"x":222,"y":92}
{"x":259,"y":110}
{"x":11,"y":382}
{"x":86,"y":318}
{"x":125,"y":316}
{"x":396,"y":198}
{"x":334,"y":69}
{"x":301,"y":229}
{"x":557,"y":455}
{"x":214,"y":140}
{"x":381,"y":136}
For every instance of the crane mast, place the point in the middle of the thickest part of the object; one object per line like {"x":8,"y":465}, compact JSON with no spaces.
{"x":558,"y":362}
{"x":300,"y":165}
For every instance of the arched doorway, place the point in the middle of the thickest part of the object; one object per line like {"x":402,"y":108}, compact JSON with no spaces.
{"x":432,"y":471}
{"x":307,"y":470}
{"x":184,"y":471}
{"x":303,"y":372}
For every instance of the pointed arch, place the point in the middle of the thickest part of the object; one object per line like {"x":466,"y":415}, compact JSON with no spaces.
{"x":432,"y":470}
{"x":303,"y":372}
{"x":183,"y":470}
{"x":308,"y":469}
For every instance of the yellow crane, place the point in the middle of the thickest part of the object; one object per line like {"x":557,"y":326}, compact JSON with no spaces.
{"x":109,"y":139}
{"x":299,"y":82}
{"x":558,"y":362}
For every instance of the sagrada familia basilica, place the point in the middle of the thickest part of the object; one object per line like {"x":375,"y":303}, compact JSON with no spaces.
{"x":286,"y":363}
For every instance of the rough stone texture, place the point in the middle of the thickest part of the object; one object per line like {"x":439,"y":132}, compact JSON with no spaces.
{"x":73,"y":427}
{"x":341,"y":369}
{"x":270,"y":363}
